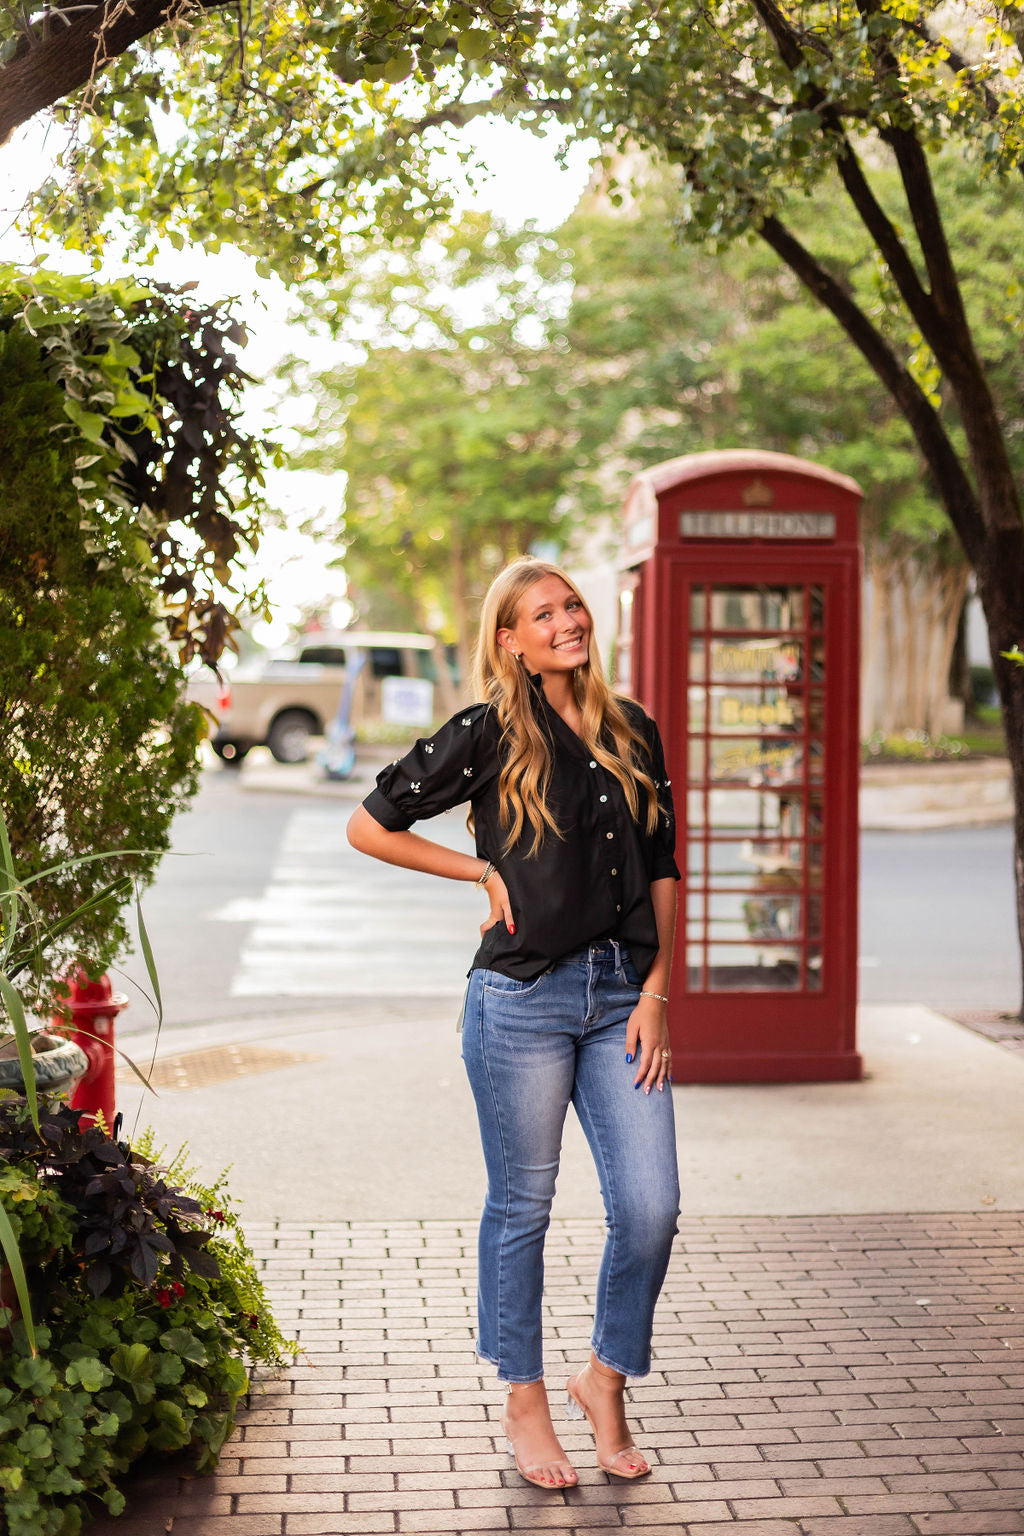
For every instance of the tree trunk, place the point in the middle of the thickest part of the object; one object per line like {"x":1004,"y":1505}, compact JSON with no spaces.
{"x":959,"y":666}
{"x":914,"y":652}
{"x":946,"y":628}
{"x":892,"y":701}
{"x":1001,"y":590}
{"x":55,"y":66}
{"x":873,"y":652}
{"x":908,"y":645}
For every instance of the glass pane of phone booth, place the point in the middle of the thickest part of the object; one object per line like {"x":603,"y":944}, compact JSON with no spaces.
{"x":755,"y":802}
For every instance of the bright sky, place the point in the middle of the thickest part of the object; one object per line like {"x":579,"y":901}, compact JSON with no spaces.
{"x":526,"y":182}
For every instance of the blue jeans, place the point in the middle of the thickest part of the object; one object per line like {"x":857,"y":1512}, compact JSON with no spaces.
{"x":530,"y":1048}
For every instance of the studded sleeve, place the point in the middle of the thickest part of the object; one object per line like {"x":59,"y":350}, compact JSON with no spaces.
{"x":664,"y":865}
{"x":440,"y":771}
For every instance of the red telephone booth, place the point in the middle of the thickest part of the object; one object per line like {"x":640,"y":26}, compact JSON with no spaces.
{"x":740,"y":633}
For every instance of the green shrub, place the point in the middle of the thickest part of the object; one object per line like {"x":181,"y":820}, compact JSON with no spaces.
{"x":912,"y":746}
{"x":99,"y":745}
{"x":149,"y":1314}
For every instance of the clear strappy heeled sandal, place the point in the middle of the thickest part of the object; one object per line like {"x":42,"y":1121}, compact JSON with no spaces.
{"x":550,"y":1487}
{"x":574,"y":1409}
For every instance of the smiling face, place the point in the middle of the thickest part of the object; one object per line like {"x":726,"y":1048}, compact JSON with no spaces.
{"x":551,"y":629}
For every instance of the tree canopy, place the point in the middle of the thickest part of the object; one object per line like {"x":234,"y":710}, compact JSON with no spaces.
{"x":301,"y":130}
{"x":455,"y":432}
{"x":167,"y":480}
{"x":251,"y":122}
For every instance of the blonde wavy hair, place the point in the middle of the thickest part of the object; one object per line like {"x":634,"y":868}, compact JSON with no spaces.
{"x":502,"y":681}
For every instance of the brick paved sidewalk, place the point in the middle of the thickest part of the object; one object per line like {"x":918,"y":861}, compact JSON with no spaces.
{"x":852,"y":1375}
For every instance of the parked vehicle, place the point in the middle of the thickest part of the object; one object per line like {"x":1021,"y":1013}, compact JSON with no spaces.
{"x":283,"y":701}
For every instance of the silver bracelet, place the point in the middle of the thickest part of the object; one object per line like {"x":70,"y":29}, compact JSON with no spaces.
{"x":659,"y":995}
{"x":492,"y":869}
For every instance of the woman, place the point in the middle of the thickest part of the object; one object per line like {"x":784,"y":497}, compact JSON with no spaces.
{"x":567,"y":993}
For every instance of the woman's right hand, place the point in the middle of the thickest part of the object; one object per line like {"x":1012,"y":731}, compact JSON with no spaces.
{"x":501,"y":911}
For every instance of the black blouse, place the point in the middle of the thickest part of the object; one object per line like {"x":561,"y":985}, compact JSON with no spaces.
{"x":591,"y":883}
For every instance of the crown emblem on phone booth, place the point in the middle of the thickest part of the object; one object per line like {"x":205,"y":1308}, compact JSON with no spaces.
{"x":757,"y":494}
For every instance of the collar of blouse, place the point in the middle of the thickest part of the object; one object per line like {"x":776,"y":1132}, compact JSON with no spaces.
{"x":565,"y":733}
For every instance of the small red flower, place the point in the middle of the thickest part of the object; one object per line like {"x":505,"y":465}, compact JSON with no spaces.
{"x":217,"y":1216}
{"x":254,"y":1321}
{"x":164,"y":1297}
{"x":178,"y":1289}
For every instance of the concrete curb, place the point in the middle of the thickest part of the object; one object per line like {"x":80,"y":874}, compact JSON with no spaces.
{"x":906,"y":797}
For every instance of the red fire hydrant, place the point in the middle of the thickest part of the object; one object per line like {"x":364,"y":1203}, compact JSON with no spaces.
{"x":88,"y":1019}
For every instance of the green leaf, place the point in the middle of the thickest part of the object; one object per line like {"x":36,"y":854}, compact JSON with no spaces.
{"x":23,"y":1037}
{"x":171,"y":1430}
{"x":168,"y":1370}
{"x":346,"y":65}
{"x":181,"y":1342}
{"x":399,"y":67}
{"x":35,"y":1444}
{"x":116,"y":889}
{"x":147,"y":955}
{"x":12,"y":1254}
{"x":474,"y":43}
{"x":134,"y":1364}
{"x":35,"y":1375}
{"x":89,"y":1372}
{"x":89,"y":423}
{"x":8,"y":889}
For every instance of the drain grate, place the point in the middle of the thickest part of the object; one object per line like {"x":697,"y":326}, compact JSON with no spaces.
{"x":217,"y":1064}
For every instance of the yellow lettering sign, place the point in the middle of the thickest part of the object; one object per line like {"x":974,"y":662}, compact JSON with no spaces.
{"x":734,"y":711}
{"x":782,"y":661}
{"x":778,"y":762}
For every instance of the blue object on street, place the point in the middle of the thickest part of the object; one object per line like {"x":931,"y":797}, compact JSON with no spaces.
{"x":338,"y":757}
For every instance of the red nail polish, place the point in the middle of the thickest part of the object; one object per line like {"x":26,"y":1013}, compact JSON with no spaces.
{"x":511,"y":927}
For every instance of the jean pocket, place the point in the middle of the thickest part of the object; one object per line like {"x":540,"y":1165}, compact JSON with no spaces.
{"x":511,"y":986}
{"x":630,"y":974}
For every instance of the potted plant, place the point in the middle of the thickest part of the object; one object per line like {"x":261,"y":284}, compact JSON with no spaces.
{"x":130,"y":1304}
{"x":149,"y":1315}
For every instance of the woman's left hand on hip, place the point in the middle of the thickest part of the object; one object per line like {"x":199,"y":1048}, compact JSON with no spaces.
{"x":647,"y":1044}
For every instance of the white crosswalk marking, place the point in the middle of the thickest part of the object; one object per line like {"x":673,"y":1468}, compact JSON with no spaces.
{"x":332,"y":923}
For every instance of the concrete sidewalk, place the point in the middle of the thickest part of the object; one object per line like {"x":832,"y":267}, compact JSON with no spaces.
{"x":377,"y":1091}
{"x":832,"y":1356}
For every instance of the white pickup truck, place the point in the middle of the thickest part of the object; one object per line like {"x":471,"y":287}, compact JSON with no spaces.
{"x":285,"y":700}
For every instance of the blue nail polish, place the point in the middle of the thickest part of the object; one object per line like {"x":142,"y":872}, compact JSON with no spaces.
{"x":629,"y":1056}
{"x":636,"y":1085}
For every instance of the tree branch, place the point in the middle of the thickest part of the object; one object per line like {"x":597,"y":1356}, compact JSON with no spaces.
{"x":70,"y":57}
{"x":960,"y":65}
{"x":944,"y":322}
{"x":873,"y":216}
{"x":951,"y":482}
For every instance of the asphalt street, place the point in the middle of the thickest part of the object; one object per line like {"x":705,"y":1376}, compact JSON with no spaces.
{"x":262,"y":902}
{"x":310,"y":991}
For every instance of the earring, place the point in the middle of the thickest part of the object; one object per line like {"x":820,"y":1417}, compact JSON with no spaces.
{"x":517,"y":655}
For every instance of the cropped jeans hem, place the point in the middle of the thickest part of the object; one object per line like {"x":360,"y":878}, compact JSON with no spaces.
{"x":615,"y":1365}
{"x":503,"y":1375}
